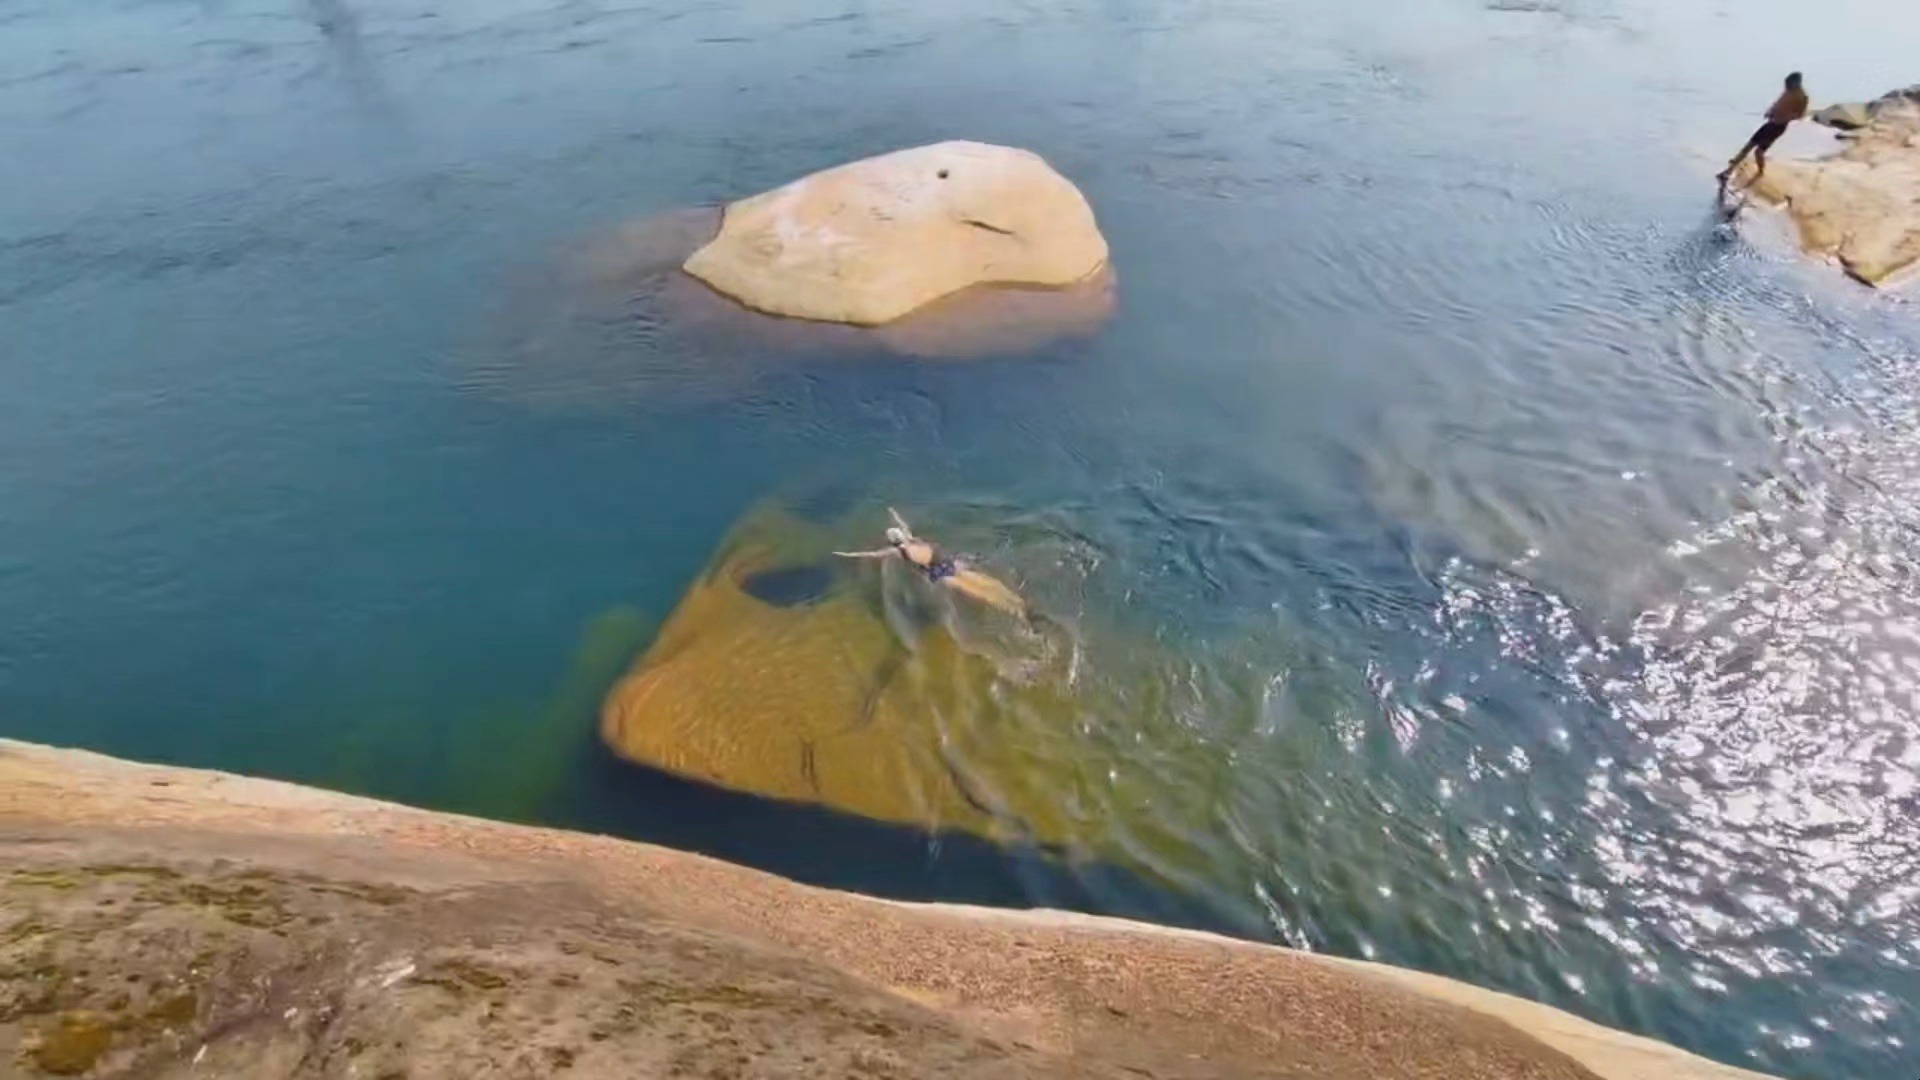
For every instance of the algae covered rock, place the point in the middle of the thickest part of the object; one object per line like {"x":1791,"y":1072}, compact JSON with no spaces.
{"x":1861,"y":205}
{"x":779,"y":674}
{"x":870,"y":241}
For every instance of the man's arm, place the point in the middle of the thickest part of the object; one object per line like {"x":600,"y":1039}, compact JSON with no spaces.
{"x":880,"y":554}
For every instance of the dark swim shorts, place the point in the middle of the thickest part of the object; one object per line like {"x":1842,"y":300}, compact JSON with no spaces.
{"x":1767,"y":134}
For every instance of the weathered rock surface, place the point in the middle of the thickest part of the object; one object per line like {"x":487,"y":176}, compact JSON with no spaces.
{"x":1861,"y":205}
{"x":172,"y":923}
{"x":1845,"y":116}
{"x":868,"y":242}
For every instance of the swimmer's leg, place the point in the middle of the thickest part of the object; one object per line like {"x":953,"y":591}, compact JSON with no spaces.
{"x":1727,"y":173}
{"x":987,"y":590}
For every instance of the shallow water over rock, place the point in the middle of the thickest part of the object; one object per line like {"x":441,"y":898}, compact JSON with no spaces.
{"x":1525,"y":554}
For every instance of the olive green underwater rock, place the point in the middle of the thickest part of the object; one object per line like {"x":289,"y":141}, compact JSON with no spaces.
{"x":789,"y":674}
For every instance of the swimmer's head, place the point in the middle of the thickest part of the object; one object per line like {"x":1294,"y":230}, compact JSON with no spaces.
{"x":896,"y":536}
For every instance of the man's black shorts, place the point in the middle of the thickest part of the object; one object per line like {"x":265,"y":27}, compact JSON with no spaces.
{"x":1767,"y":134}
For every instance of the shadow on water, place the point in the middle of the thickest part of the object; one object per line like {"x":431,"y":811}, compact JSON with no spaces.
{"x":832,"y":850}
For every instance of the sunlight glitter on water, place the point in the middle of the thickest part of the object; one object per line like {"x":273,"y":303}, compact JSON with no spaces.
{"x":1768,"y":789}
{"x":1525,"y":556}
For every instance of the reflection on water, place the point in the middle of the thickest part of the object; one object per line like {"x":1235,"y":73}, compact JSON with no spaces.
{"x":1754,"y":822}
{"x":1467,"y":550}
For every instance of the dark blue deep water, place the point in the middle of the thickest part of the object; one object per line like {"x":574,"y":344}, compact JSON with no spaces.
{"x":1543,"y":555}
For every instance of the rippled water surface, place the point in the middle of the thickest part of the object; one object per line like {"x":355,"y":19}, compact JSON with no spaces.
{"x":1532,"y":559}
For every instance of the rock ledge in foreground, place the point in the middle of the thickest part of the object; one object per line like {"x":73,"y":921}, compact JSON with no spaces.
{"x":178,"y":924}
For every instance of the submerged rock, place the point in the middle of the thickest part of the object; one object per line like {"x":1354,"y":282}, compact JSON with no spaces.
{"x":869,"y":242}
{"x":1861,"y":205}
{"x":781,"y":673}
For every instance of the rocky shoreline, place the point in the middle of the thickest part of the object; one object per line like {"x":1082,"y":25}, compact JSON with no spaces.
{"x":170,"y":922}
{"x":1860,"y":206}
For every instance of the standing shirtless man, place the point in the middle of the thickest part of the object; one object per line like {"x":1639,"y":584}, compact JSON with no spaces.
{"x":1791,"y":105}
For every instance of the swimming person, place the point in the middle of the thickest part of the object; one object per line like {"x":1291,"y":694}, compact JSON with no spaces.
{"x":1791,"y":105}
{"x":941,"y":568}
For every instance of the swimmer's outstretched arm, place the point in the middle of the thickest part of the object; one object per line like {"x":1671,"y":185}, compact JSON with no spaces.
{"x":900,"y":522}
{"x":880,"y":554}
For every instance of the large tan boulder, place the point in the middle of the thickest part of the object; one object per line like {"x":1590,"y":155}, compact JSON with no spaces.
{"x":616,"y":318}
{"x":870,"y":241}
{"x":1861,"y":205}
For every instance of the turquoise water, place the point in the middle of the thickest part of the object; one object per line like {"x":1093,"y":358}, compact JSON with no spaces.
{"x":1544,"y":552}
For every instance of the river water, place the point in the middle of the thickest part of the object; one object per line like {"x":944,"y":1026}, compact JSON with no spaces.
{"x":1541,"y":555}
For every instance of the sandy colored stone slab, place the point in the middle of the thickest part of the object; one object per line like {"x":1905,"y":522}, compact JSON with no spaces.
{"x":1861,"y":205}
{"x":870,"y":241}
{"x":262,"y":929}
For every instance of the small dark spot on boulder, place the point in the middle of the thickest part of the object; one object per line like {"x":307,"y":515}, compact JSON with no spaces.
{"x":789,"y":586}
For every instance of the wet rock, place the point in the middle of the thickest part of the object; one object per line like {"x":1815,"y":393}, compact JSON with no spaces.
{"x":869,"y":242}
{"x":1862,"y":205}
